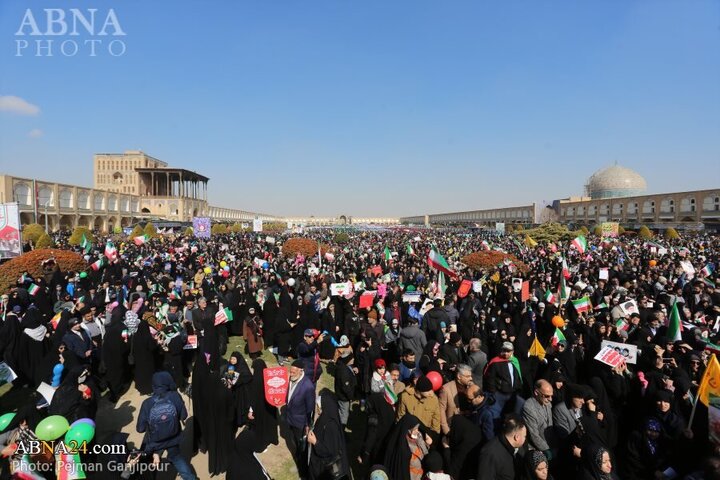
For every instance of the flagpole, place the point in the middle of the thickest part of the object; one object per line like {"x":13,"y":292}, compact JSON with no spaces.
{"x":692,"y":413}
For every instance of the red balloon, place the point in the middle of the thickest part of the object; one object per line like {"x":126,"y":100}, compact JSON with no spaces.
{"x":436,"y":380}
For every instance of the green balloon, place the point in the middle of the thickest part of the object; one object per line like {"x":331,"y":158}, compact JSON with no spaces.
{"x":411,"y":288}
{"x":83,"y":274}
{"x":51,"y":428}
{"x":5,"y":420}
{"x":80,"y":433}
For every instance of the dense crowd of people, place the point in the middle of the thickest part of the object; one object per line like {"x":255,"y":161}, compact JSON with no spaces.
{"x":406,"y":373}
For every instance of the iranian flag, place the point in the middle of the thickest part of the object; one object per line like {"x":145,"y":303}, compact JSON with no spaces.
{"x":622,"y":324}
{"x":708,"y":270}
{"x":485,"y":245}
{"x":582,"y":304}
{"x":33,"y":290}
{"x":557,"y":337}
{"x":580,"y":243}
{"x":69,"y":467}
{"x":141,"y":239}
{"x":436,"y":261}
{"x":441,"y":286}
{"x":675,"y":328}
{"x":410,"y":249}
{"x":110,"y":251}
{"x":224,"y":315}
{"x":565,"y":269}
{"x":85,"y":244}
{"x":389,"y":393}
{"x":388,"y":255}
{"x":601,"y":306}
{"x":97,"y":264}
{"x":563,"y":290}
{"x":550,"y":298}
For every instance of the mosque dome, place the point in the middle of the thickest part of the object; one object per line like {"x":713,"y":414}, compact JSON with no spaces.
{"x":615,"y":181}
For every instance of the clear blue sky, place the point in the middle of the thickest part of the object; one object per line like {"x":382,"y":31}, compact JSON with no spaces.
{"x":375,"y":107}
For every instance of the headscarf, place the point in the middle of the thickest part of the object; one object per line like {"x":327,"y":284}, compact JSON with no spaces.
{"x":592,"y":461}
{"x":397,"y":455}
{"x":533,"y":458}
{"x":653,"y":425}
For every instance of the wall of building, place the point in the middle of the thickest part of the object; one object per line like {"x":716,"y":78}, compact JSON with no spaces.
{"x":115,"y":172}
{"x":524,"y":214}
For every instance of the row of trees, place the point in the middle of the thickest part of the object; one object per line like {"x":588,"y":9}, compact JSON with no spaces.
{"x":553,"y":232}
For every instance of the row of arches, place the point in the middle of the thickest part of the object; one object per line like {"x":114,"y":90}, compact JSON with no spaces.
{"x":100,"y":223}
{"x":22,"y":194}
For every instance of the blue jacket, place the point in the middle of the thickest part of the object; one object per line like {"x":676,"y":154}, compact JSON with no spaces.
{"x":163,"y":386}
{"x":301,"y":406}
{"x":78,"y":345}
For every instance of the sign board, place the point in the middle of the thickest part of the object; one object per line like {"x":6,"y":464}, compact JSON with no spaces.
{"x":257,"y":225}
{"x":517,"y":284}
{"x":604,"y":273}
{"x":201,"y":227}
{"x":627,"y":350}
{"x":609,"y":356}
{"x":500,"y":227}
{"x":276,"y":385}
{"x":340,"y":289}
{"x":411,"y":297}
{"x":10,"y":240}
{"x":629,"y":307}
{"x":610,"y":229}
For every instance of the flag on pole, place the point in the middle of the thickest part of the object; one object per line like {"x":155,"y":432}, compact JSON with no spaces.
{"x":24,"y":278}
{"x":601,"y":306}
{"x":56,"y":319}
{"x":33,"y":290}
{"x":110,"y":251}
{"x":441,"y":286}
{"x":557,"y":337}
{"x":410,"y":249}
{"x":485,"y":245}
{"x":536,"y":350}
{"x":708,"y":282}
{"x":141,"y":239}
{"x":622,"y":324}
{"x":565,"y":269}
{"x":69,"y":467}
{"x":710,"y":383}
{"x":550,"y":298}
{"x":97,"y":264}
{"x":563,"y":291}
{"x":580,"y":243}
{"x":223,"y":315}
{"x":436,"y":261}
{"x":582,"y":304}
{"x":388,"y":255}
{"x":708,"y":270}
{"x":675,"y":328}
{"x":85,"y":244}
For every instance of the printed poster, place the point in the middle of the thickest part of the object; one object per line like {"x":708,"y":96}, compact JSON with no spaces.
{"x":10,"y":241}
{"x":627,"y":350}
{"x":276,"y":385}
{"x":201,"y":227}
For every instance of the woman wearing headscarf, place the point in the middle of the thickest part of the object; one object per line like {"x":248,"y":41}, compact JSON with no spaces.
{"x":429,"y":359}
{"x":244,"y":462}
{"x":202,"y":402}
{"x":238,"y":377}
{"x":596,"y":464}
{"x":145,"y":349}
{"x":380,"y":419}
{"x":116,"y":348}
{"x":76,"y":397}
{"x":536,"y":466}
{"x":31,"y":345}
{"x":646,"y":453}
{"x":465,"y":440}
{"x":218,"y":438}
{"x":328,"y":452}
{"x":406,"y":447}
{"x":262,"y":417}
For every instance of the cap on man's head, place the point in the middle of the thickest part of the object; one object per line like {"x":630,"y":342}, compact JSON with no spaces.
{"x":309,"y":332}
{"x":423,"y":384}
{"x":17,"y":309}
{"x":507,"y":347}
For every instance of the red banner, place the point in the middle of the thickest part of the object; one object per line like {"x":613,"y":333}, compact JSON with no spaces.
{"x":276,"y":385}
{"x":525,"y":291}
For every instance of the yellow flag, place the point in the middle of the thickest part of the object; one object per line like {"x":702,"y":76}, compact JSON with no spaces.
{"x":710,"y":382}
{"x":537,"y":350}
{"x":530,"y":242}
{"x":496,"y":277}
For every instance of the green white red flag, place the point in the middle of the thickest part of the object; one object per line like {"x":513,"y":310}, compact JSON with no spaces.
{"x":223,"y":315}
{"x":557,"y":337}
{"x":675,"y":328}
{"x":141,"y":239}
{"x":582,"y":304}
{"x":437,"y":261}
{"x":580,"y":243}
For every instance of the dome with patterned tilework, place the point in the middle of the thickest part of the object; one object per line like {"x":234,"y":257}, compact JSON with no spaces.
{"x":615,"y":181}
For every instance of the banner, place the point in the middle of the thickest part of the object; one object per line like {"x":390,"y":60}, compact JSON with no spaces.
{"x":610,"y":229}
{"x":500,"y":227}
{"x":464,"y":289}
{"x":367,"y":299}
{"x":411,"y":297}
{"x":276,"y":385}
{"x":257,"y":225}
{"x":201,"y":227}
{"x":477,"y":287}
{"x":517,"y":284}
{"x":609,"y":356}
{"x":627,"y":350}
{"x":525,"y":291}
{"x":604,"y":273}
{"x":10,"y":243}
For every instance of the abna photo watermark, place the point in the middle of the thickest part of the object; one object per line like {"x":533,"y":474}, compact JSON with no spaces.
{"x":69,"y":32}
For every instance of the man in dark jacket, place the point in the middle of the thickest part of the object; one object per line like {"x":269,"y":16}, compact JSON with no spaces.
{"x":164,"y":390}
{"x":432,"y":320}
{"x":345,"y":384}
{"x":412,"y":338}
{"x":503,"y":380}
{"x":299,"y":409}
{"x":500,"y":457}
{"x":78,"y":341}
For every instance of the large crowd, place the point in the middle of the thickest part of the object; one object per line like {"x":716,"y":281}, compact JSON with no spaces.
{"x":409,"y":370}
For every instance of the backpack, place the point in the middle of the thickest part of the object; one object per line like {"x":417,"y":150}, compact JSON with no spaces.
{"x":163,"y":423}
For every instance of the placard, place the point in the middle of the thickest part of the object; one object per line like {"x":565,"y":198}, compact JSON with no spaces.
{"x":500,"y":227}
{"x":411,"y":297}
{"x":517,"y":284}
{"x":477,"y":287}
{"x":609,"y":356}
{"x":382,"y":290}
{"x":7,"y":375}
{"x":340,"y":289}
{"x":10,"y":244}
{"x":525,"y":291}
{"x":627,"y":350}
{"x":367,"y":299}
{"x":629,"y":307}
{"x":257,"y":225}
{"x":276,"y":385}
{"x":201,"y":227}
{"x":192,"y":342}
{"x":610,"y":229}
{"x":604,"y":273}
